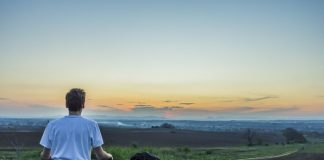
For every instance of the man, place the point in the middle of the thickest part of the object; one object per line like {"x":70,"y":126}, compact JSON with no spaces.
{"x":72,"y":137}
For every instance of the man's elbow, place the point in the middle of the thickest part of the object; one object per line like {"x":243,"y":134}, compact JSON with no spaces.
{"x":45,"y":155}
{"x":101,"y":154}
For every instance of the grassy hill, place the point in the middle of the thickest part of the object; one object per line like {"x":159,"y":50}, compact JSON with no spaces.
{"x":181,"y":153}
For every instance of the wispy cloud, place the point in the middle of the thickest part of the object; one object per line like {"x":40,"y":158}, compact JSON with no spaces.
{"x":171,"y":107}
{"x":4,"y":99}
{"x":257,"y":110}
{"x":180,"y":112}
{"x":247,"y":99}
{"x":169,"y":101}
{"x":251,"y":112}
{"x":244,"y":109}
{"x":259,"y":98}
{"x":186,"y":103}
{"x":138,"y":103}
{"x":277,"y":110}
{"x":105,"y":106}
{"x":228,"y":100}
{"x":153,"y":108}
{"x":234,"y":110}
{"x":109,"y":109}
{"x":143,"y":106}
{"x":172,"y":112}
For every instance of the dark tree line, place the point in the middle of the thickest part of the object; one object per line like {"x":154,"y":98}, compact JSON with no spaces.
{"x":291,"y":136}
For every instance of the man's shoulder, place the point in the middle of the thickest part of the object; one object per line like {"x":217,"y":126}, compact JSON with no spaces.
{"x":89,"y":120}
{"x":55,"y":121}
{"x":81,"y":119}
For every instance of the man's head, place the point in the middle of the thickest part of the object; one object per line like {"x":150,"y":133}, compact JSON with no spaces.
{"x":75,"y":99}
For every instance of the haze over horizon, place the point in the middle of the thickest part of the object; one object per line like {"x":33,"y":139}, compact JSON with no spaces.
{"x":174,"y":59}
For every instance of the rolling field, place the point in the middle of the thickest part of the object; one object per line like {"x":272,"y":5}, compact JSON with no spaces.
{"x":300,"y":151}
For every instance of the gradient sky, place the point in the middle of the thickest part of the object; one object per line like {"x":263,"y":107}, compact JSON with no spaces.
{"x":175,"y":59}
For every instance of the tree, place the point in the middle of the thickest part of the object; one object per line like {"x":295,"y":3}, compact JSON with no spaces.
{"x":259,"y":141}
{"x":250,"y":135}
{"x":17,"y":143}
{"x":293,"y":136}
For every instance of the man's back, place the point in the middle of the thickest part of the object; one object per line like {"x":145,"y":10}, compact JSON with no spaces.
{"x":71,"y":137}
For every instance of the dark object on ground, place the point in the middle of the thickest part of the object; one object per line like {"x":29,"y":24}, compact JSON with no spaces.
{"x":167,"y":125}
{"x":144,"y":156}
{"x":293,"y":136}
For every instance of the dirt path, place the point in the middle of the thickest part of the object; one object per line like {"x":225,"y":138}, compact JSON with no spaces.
{"x":271,"y":157}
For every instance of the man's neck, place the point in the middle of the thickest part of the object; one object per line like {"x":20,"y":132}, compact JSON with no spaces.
{"x":75,"y":113}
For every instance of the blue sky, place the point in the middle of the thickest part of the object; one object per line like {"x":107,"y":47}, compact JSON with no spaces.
{"x":207,"y":52}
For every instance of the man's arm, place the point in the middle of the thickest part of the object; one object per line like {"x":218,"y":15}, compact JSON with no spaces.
{"x":45,"y":154}
{"x":101,"y":154}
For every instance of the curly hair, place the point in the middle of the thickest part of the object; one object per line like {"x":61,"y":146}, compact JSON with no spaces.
{"x":75,"y":99}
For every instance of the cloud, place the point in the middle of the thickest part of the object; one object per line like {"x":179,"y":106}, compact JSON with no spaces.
{"x":180,"y":112}
{"x":142,"y":107}
{"x":138,"y":103}
{"x":258,"y":110}
{"x":227,"y":99}
{"x":244,"y":109}
{"x":259,"y":98}
{"x":186,"y":103}
{"x":183,"y":113}
{"x":137,"y":108}
{"x":171,"y":107}
{"x":171,"y":112}
{"x":105,"y":106}
{"x":235,"y":110}
{"x":277,"y":110}
{"x":104,"y":110}
{"x":250,"y":112}
{"x":108,"y":109}
{"x":149,"y":110}
{"x":238,"y":99}
{"x":4,"y":99}
{"x":169,"y":101}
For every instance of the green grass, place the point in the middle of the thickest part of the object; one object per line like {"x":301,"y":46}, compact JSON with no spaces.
{"x":314,"y":148}
{"x":185,"y":153}
{"x":228,"y":153}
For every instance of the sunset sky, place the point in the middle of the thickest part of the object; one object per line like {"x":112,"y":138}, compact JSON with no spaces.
{"x":253,"y":59}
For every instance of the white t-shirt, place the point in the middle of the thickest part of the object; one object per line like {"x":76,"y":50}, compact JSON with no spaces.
{"x":71,"y":138}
